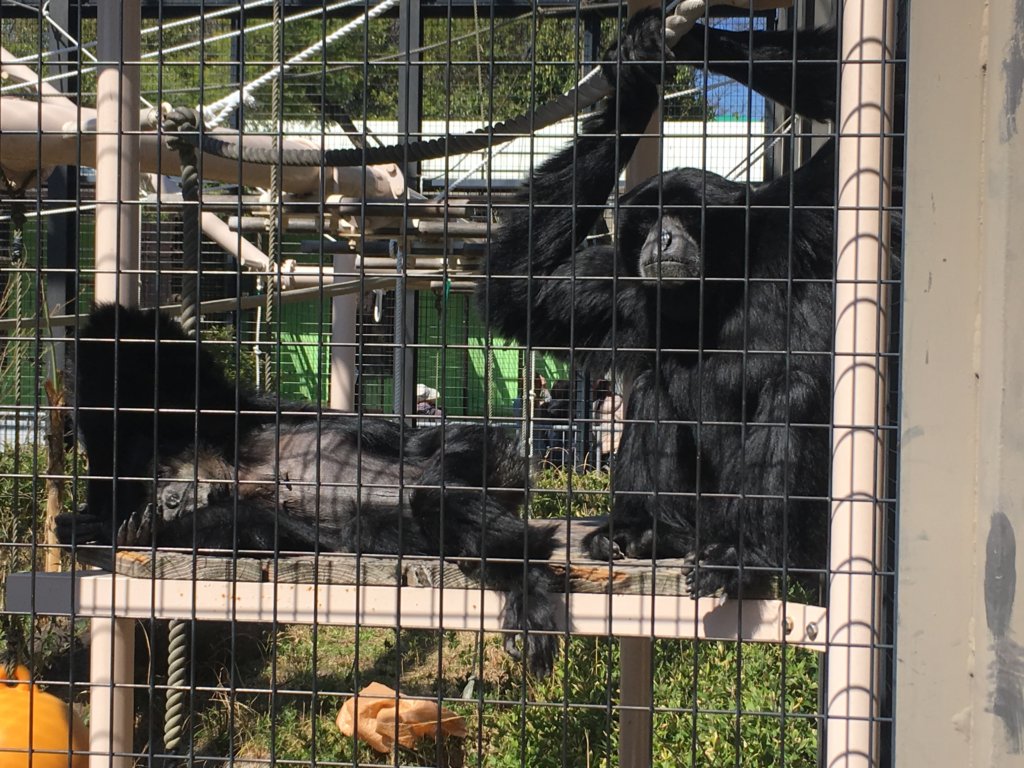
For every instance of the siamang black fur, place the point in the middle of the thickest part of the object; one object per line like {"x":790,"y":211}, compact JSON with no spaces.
{"x":188,"y":459}
{"x":715,"y":300}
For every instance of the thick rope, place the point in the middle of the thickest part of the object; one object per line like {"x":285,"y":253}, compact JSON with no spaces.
{"x":219,"y":111}
{"x":175,"y":711}
{"x":274,"y":224}
{"x":178,"y":124}
{"x":590,"y":89}
{"x":183,"y":126}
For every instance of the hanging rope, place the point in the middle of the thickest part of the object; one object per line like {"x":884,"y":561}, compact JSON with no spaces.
{"x":175,"y":711}
{"x":178,"y":124}
{"x":274,"y":228}
{"x":181,"y":125}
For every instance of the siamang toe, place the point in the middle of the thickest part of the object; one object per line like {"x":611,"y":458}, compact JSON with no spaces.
{"x":704,"y":581}
{"x":718,"y":571}
{"x":640,"y":545}
{"x":600,"y":546}
{"x":540,"y":650}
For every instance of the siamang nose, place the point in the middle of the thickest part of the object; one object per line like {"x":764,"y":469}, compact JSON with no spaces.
{"x":666,"y":238}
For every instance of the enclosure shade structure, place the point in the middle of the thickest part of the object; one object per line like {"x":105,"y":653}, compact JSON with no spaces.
{"x":858,"y":472}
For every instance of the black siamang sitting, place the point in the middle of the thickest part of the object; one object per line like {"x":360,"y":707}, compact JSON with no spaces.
{"x":199,"y":463}
{"x":715,"y":300}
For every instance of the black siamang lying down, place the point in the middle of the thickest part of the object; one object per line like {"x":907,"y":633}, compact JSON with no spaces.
{"x":715,"y":300}
{"x":238,"y":473}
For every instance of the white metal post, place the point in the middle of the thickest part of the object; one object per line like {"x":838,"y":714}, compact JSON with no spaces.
{"x":111,"y":696}
{"x":636,"y":654}
{"x":117,"y":151}
{"x":864,"y":160}
{"x":343,"y":337}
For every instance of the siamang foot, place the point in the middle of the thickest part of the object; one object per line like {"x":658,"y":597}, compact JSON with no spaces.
{"x":533,"y":612}
{"x":137,"y":530}
{"x":705,"y":580}
{"x":717,"y":572}
{"x":540,"y":651}
{"x":602,"y":545}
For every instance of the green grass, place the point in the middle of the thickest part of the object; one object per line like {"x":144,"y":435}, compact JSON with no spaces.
{"x":556,"y":489}
{"x":716,"y":704}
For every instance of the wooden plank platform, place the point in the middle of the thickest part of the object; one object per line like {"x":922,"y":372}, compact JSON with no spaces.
{"x":576,"y":572}
{"x":630,"y":598}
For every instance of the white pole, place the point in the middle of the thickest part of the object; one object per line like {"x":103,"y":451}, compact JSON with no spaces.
{"x":111,"y":695}
{"x":636,"y":654}
{"x":117,"y":150}
{"x":343,"y":337}
{"x":864,"y":161}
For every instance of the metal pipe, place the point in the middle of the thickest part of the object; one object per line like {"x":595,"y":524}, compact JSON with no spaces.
{"x":636,"y":719}
{"x":57,"y":129}
{"x":245,"y":252}
{"x":862,"y":227}
{"x":119,"y":28}
{"x":214,"y":306}
{"x":343,"y":332}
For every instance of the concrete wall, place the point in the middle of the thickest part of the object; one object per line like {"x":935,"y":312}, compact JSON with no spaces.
{"x":960,"y":671}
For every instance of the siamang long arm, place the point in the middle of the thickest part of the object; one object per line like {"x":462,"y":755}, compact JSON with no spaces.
{"x":765,"y":60}
{"x":533,"y":258}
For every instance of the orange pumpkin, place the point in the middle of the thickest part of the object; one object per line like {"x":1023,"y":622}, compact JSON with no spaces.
{"x":51,"y":719}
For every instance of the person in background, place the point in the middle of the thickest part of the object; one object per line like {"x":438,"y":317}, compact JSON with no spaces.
{"x":541,"y":394}
{"x":426,"y":401}
{"x":541,"y":401}
{"x":559,"y":439}
{"x":608,"y":414}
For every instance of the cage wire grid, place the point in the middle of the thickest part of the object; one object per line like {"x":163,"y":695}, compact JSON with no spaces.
{"x":379,"y":479}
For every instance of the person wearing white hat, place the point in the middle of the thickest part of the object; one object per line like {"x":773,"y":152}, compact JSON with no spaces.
{"x":426,"y":401}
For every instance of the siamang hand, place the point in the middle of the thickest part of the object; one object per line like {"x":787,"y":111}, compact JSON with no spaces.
{"x":641,"y":41}
{"x":681,"y":21}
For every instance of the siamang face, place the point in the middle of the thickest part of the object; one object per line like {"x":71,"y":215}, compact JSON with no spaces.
{"x":669,"y":251}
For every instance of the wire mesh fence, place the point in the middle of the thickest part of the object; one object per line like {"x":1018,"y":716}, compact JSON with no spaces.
{"x":521,"y":455}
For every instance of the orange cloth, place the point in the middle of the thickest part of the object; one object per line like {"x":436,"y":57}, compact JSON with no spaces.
{"x":384,"y":718}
